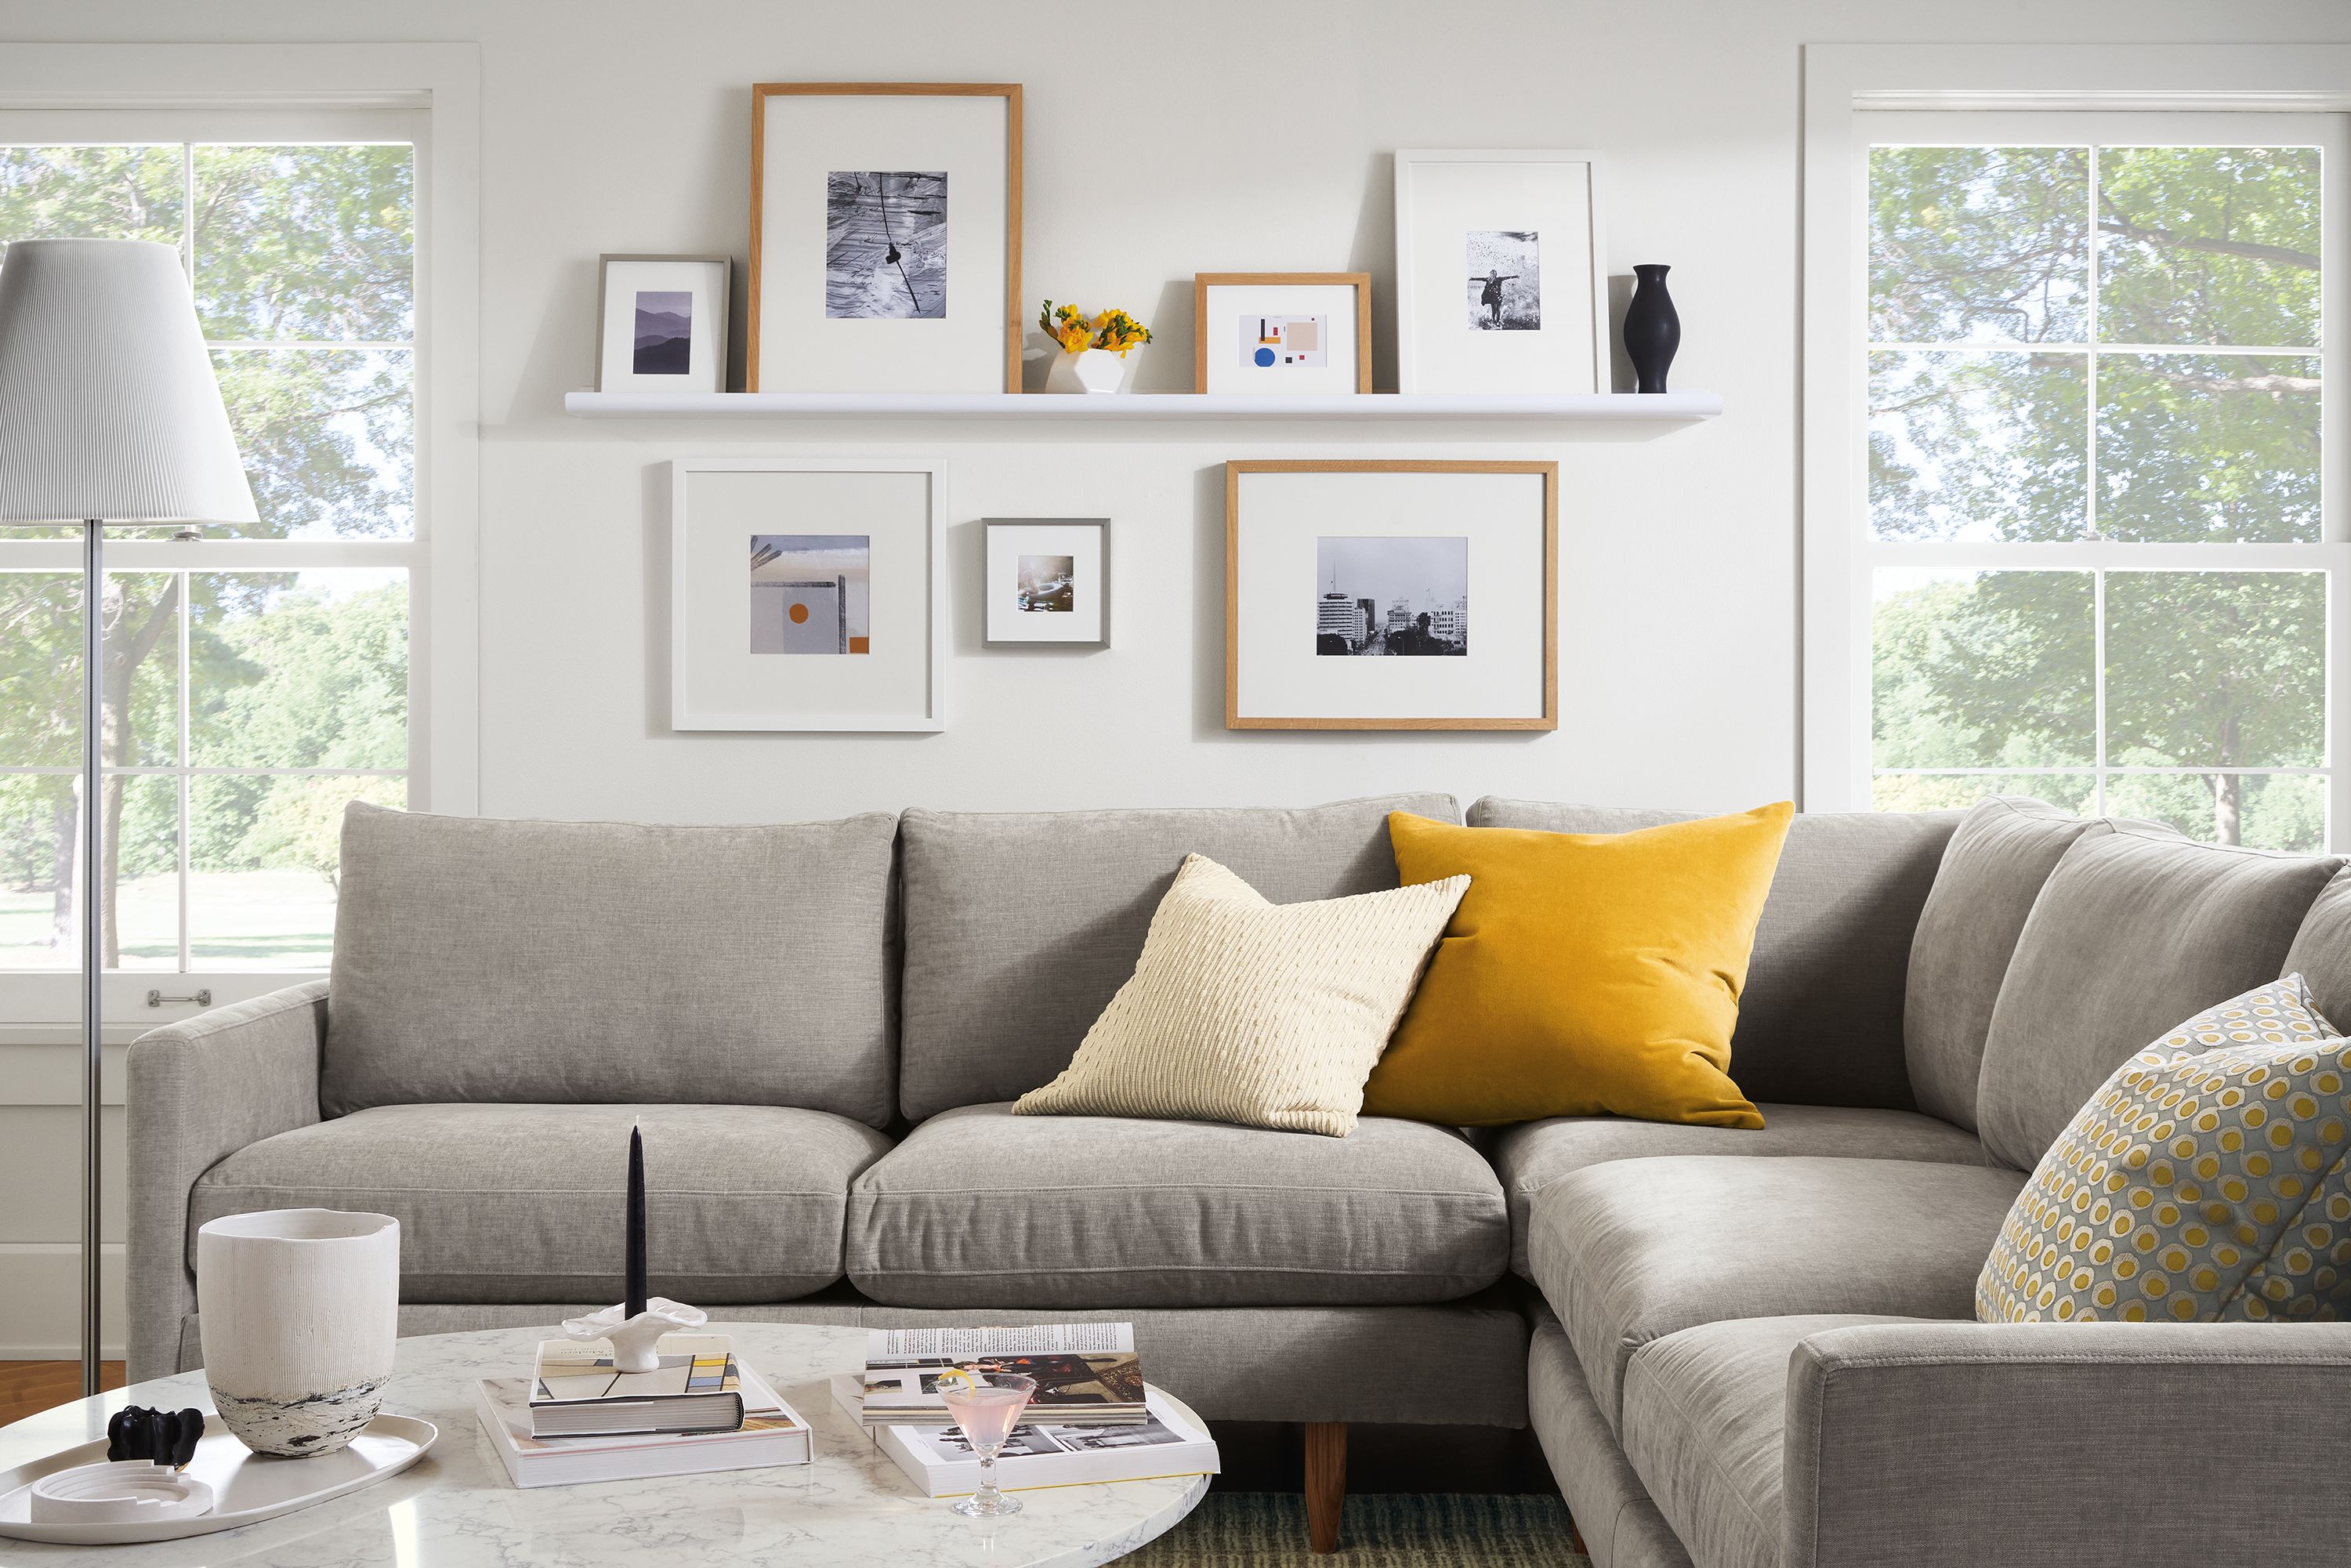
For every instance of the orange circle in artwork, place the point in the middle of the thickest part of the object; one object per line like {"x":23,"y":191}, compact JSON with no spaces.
{"x":800,"y":614}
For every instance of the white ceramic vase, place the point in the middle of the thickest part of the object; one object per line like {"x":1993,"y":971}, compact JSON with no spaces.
{"x":1088,"y":371}
{"x":300,"y":1309}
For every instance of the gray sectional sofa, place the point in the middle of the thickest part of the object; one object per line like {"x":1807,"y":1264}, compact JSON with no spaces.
{"x":1736,"y":1348}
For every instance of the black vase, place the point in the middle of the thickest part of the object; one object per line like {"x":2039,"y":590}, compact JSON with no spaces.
{"x":1653,"y":329}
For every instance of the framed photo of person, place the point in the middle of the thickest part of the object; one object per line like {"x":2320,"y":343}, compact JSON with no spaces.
{"x":1365,"y":594}
{"x":1500,"y":280}
{"x":1048,"y":582}
{"x":805,"y":593}
{"x":885,"y":237}
{"x":1303,"y":332}
{"x":661,"y":323}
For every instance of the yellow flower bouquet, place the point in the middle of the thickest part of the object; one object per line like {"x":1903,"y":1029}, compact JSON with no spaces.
{"x":1114,"y":331}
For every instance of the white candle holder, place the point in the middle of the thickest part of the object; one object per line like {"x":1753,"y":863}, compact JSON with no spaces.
{"x":635,"y":1338}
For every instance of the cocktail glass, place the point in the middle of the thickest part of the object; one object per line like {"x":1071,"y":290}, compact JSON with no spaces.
{"x":987,"y":1407}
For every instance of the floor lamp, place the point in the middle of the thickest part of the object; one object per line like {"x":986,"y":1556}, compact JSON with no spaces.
{"x":110,"y":414}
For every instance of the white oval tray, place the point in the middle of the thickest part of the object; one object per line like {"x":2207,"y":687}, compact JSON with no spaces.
{"x":247,"y":1488}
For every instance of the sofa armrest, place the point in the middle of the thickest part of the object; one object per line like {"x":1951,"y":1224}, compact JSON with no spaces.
{"x":1943,"y":1445}
{"x":197,"y":1093}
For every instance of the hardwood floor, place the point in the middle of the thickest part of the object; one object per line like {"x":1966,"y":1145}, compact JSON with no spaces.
{"x":28,"y":1387}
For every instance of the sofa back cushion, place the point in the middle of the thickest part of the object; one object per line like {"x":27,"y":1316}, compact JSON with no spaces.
{"x":582,"y":962}
{"x":1820,"y":1022}
{"x":2003,"y":851}
{"x":1020,"y":927}
{"x":2321,"y":951}
{"x":2136,"y":931}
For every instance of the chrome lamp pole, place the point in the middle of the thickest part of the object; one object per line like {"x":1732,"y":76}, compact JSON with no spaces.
{"x":111,"y":415}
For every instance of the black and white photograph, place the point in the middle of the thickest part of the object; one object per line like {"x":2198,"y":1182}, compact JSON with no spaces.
{"x":1505,"y":280}
{"x":885,"y":246}
{"x":664,"y":332}
{"x":811,"y":593}
{"x":1049,"y":584}
{"x":1024,"y":1440}
{"x":1392,"y":597}
{"x":1098,"y":1439}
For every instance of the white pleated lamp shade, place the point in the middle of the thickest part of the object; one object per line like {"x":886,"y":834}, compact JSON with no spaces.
{"x":109,"y":405}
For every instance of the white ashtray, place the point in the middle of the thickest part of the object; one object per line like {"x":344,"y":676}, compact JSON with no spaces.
{"x":245,"y":1488}
{"x":123,"y":1492}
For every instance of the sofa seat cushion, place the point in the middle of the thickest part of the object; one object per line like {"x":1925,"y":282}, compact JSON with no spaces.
{"x":1635,"y":1250}
{"x":524,"y":1203}
{"x":1531,"y":1158}
{"x":979,"y":1207}
{"x":1705,"y":1418}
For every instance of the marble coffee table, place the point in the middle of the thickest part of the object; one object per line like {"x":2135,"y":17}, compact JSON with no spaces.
{"x":457,"y":1509}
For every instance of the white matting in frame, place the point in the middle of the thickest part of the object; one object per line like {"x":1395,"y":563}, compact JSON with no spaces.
{"x":1501,"y":284}
{"x":885,"y":237}
{"x":805,"y":594}
{"x":1048,"y":582}
{"x":661,"y":323}
{"x":1457,"y":564}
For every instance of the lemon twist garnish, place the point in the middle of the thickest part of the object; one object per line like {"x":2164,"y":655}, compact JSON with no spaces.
{"x":967,"y":1380}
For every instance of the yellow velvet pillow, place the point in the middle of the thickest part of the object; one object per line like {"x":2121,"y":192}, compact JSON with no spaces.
{"x":1584,"y":974}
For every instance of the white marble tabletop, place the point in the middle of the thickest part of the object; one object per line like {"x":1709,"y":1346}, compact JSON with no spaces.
{"x":457,"y":1509}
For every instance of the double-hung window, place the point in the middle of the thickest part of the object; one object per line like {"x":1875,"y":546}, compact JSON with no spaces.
{"x":259,"y":677}
{"x":2086,"y":521}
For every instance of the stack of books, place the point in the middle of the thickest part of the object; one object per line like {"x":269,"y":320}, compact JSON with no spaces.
{"x":579,"y":1418}
{"x":1092,"y":1418}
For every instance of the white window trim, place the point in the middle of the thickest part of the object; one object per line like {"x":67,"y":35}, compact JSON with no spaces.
{"x":121,"y":83}
{"x":1843,"y":81}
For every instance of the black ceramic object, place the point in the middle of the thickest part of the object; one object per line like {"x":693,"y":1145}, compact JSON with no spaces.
{"x":158,"y":1436}
{"x":1653,"y":329}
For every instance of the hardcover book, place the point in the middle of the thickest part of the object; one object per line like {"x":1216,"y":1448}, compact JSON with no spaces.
{"x":1087,"y":1373}
{"x":939,"y":1462}
{"x":577,"y":1392}
{"x":772,"y":1433}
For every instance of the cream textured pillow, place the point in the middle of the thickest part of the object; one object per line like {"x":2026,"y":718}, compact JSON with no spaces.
{"x":1264,"y":1015}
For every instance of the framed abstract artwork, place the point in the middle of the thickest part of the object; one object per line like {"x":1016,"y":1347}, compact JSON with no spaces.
{"x":885,"y":237}
{"x":805,"y":593}
{"x":1363,"y":595}
{"x":1282,"y":332}
{"x":1048,"y":582}
{"x":661,"y":323}
{"x":1500,"y":280}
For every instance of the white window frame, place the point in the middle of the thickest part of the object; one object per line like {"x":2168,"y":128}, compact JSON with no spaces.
{"x":132,"y":93}
{"x":1855,"y":94}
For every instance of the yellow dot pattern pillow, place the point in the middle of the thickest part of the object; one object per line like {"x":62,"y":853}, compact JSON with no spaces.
{"x":2205,"y":1181}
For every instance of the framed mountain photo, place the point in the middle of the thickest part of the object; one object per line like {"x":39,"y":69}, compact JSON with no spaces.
{"x":661,"y":323}
{"x":885,"y":237}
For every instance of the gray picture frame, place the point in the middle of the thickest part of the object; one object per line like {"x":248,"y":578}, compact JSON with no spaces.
{"x":991,"y":580}
{"x":721,"y":322}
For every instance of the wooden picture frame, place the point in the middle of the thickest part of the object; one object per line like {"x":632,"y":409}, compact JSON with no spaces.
{"x":1360,"y":282}
{"x":1246,"y":637}
{"x":759,"y":335}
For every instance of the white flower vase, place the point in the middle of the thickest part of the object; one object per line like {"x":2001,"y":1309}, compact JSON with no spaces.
{"x":1087,"y":370}
{"x":300,"y":1309}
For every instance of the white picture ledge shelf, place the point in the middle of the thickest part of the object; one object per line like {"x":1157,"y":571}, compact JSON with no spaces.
{"x":1568,"y":408}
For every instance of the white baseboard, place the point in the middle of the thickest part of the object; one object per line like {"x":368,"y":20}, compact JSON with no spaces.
{"x":40,"y":1301}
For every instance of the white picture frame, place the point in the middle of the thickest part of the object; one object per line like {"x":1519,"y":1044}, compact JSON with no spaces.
{"x":683,"y":296}
{"x":1470,"y":221}
{"x":1457,"y":560}
{"x":806,"y":594}
{"x":1068,"y":559}
{"x":885,"y":237}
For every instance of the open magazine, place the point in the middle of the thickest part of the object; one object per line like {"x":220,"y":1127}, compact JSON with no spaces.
{"x":1087,"y":1373}
{"x":1043,"y":1454}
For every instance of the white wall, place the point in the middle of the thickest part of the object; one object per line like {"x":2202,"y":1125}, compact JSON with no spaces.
{"x":1255,"y":135}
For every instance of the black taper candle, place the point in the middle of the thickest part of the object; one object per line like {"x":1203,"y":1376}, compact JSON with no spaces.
{"x":634,"y":1290}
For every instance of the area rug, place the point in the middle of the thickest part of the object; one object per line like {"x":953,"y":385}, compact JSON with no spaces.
{"x":1438,"y":1529}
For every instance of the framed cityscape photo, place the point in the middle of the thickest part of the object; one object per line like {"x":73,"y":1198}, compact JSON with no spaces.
{"x":1303,"y":332}
{"x":1500,"y":283}
{"x":661,"y":323}
{"x":805,"y":593}
{"x":1048,"y":582}
{"x":1391,"y":595}
{"x":885,"y":237}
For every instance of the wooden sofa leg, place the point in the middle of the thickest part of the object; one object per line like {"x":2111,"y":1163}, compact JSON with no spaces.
{"x":1575,"y":1537}
{"x":1326,"y":1483}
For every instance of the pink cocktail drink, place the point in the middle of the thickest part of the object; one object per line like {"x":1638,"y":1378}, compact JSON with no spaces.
{"x":987,"y":1406}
